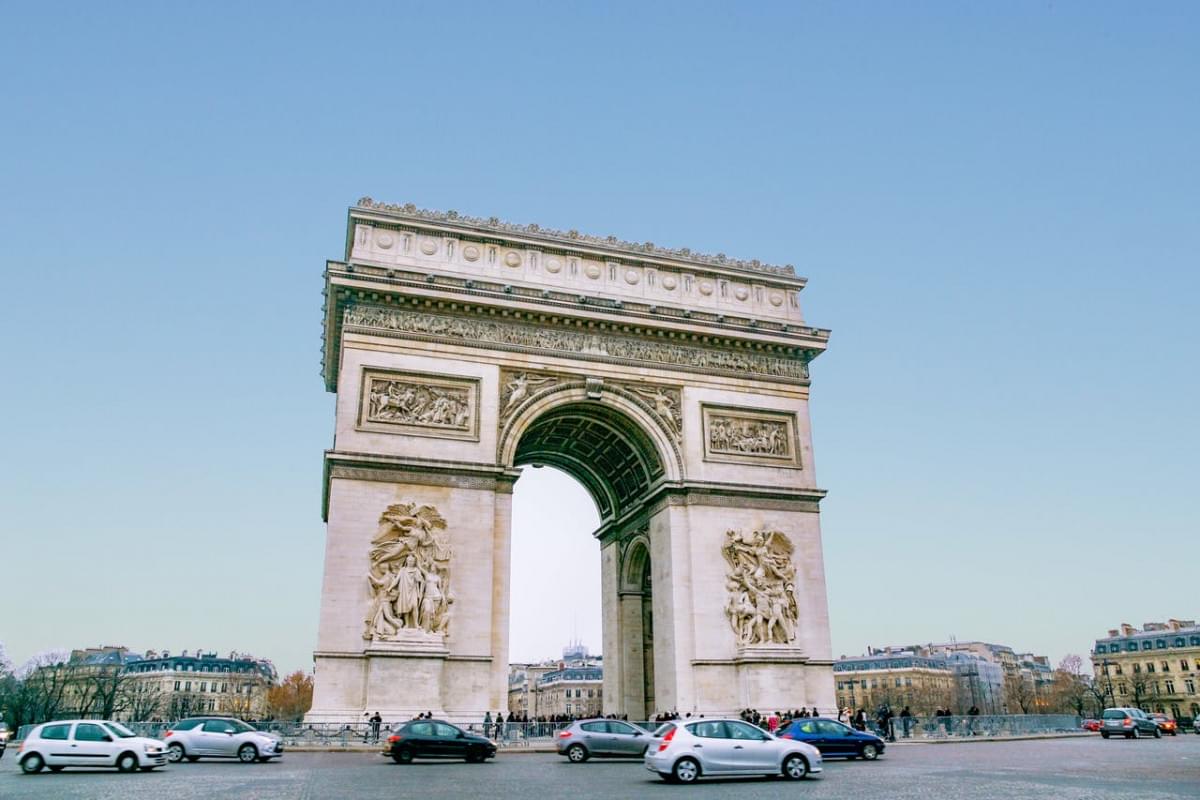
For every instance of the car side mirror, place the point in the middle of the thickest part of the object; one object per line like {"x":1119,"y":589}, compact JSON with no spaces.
{"x":461,"y":735}
{"x":637,"y":733}
{"x":106,"y":738}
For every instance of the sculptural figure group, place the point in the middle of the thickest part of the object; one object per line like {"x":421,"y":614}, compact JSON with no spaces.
{"x":418,"y":404}
{"x":762,"y":587}
{"x":409,"y":574}
{"x":754,"y":437}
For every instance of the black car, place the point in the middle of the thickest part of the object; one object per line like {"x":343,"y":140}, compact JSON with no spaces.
{"x":433,"y":738}
{"x":833,"y":738}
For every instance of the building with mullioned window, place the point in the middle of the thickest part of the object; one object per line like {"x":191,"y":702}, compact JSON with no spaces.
{"x":896,"y":678}
{"x":203,"y":683}
{"x":1156,"y":668}
{"x":568,"y":687}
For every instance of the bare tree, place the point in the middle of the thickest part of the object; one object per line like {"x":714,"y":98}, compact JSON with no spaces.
{"x":1070,"y":690}
{"x":1018,"y":693}
{"x":142,"y":699}
{"x":106,"y":687}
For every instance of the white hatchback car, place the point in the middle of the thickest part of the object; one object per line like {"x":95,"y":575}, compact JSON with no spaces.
{"x":89,"y":743}
{"x":681,"y":752}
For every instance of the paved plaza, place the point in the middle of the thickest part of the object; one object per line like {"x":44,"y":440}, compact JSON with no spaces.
{"x":1063,"y":769}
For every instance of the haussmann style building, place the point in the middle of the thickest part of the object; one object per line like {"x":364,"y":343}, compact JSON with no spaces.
{"x":1156,"y":668}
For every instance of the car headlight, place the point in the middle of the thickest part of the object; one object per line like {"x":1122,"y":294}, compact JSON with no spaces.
{"x":152,"y":749}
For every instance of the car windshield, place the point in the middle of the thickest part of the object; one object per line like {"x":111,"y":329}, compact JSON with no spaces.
{"x":119,"y":730}
{"x":1114,"y":713}
{"x":664,"y":729}
{"x":239,"y":726}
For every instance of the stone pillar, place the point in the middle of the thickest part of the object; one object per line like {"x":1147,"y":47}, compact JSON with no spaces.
{"x":459,"y":675}
{"x":501,"y":599}
{"x":610,"y":585}
{"x":633,"y":675}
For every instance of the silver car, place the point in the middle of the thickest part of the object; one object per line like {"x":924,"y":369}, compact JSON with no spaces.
{"x":220,"y":737}
{"x":682,"y":752}
{"x":601,"y":737}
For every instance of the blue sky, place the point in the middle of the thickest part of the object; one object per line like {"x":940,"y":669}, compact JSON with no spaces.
{"x":996,"y":206}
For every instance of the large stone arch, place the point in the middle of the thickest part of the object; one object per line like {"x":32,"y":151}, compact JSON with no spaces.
{"x":628,"y":437}
{"x":674,"y":386}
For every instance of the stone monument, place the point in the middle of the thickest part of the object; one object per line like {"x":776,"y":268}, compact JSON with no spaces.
{"x":673,"y":385}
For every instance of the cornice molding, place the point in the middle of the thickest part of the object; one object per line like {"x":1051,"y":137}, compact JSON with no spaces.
{"x":495,"y":225}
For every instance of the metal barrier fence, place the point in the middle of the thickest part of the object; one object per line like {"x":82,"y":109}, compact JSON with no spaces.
{"x":990,"y":725}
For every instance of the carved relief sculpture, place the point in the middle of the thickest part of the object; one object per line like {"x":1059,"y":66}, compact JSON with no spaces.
{"x":409,"y":576}
{"x":489,"y":333}
{"x":749,"y":436}
{"x":414,"y":403}
{"x":667,"y":404}
{"x":516,"y":387}
{"x":761,"y":582}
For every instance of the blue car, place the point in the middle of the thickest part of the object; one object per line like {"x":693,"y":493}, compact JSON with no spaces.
{"x":833,"y":739}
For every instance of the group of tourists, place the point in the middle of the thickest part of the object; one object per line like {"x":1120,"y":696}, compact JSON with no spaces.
{"x":777,"y":720}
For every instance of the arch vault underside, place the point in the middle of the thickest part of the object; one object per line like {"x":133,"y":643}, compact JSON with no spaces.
{"x":673,"y":386}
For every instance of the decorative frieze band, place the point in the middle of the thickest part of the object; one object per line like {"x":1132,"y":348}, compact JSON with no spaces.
{"x":609,"y":347}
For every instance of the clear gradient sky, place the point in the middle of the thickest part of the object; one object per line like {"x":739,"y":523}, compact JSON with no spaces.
{"x":996,"y":205}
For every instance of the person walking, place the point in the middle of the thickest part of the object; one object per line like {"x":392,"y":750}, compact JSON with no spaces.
{"x":376,"y":721}
{"x":906,"y":722}
{"x":487,"y":724}
{"x":501,"y":731}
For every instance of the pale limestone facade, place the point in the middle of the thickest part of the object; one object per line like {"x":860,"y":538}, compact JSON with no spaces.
{"x":674,"y":386}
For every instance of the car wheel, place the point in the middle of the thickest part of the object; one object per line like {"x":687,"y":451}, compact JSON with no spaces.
{"x":403,"y":756}
{"x":870,"y":752}
{"x":475,"y":756}
{"x":1157,"y":733}
{"x":32,"y":763}
{"x":127,"y":763}
{"x":175,"y":752}
{"x":1136,"y":733}
{"x":576,"y":754}
{"x":56,"y":768}
{"x":795,"y":767}
{"x":686,"y":770}
{"x":247,"y":754}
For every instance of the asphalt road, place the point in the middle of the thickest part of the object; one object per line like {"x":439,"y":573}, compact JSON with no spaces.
{"x":1063,"y":769}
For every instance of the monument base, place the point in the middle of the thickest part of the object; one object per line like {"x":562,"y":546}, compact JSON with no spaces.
{"x":767,"y":678}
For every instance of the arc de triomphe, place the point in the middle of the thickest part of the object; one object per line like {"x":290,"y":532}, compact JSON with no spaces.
{"x":673,"y":385}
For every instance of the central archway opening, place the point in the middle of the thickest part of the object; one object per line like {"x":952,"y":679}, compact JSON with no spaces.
{"x":588,"y":471}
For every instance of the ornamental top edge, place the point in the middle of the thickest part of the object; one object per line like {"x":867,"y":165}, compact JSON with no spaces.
{"x":411,"y":211}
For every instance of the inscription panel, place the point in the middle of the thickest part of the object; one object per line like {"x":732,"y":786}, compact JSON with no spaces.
{"x":747,"y":436}
{"x":418,"y":404}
